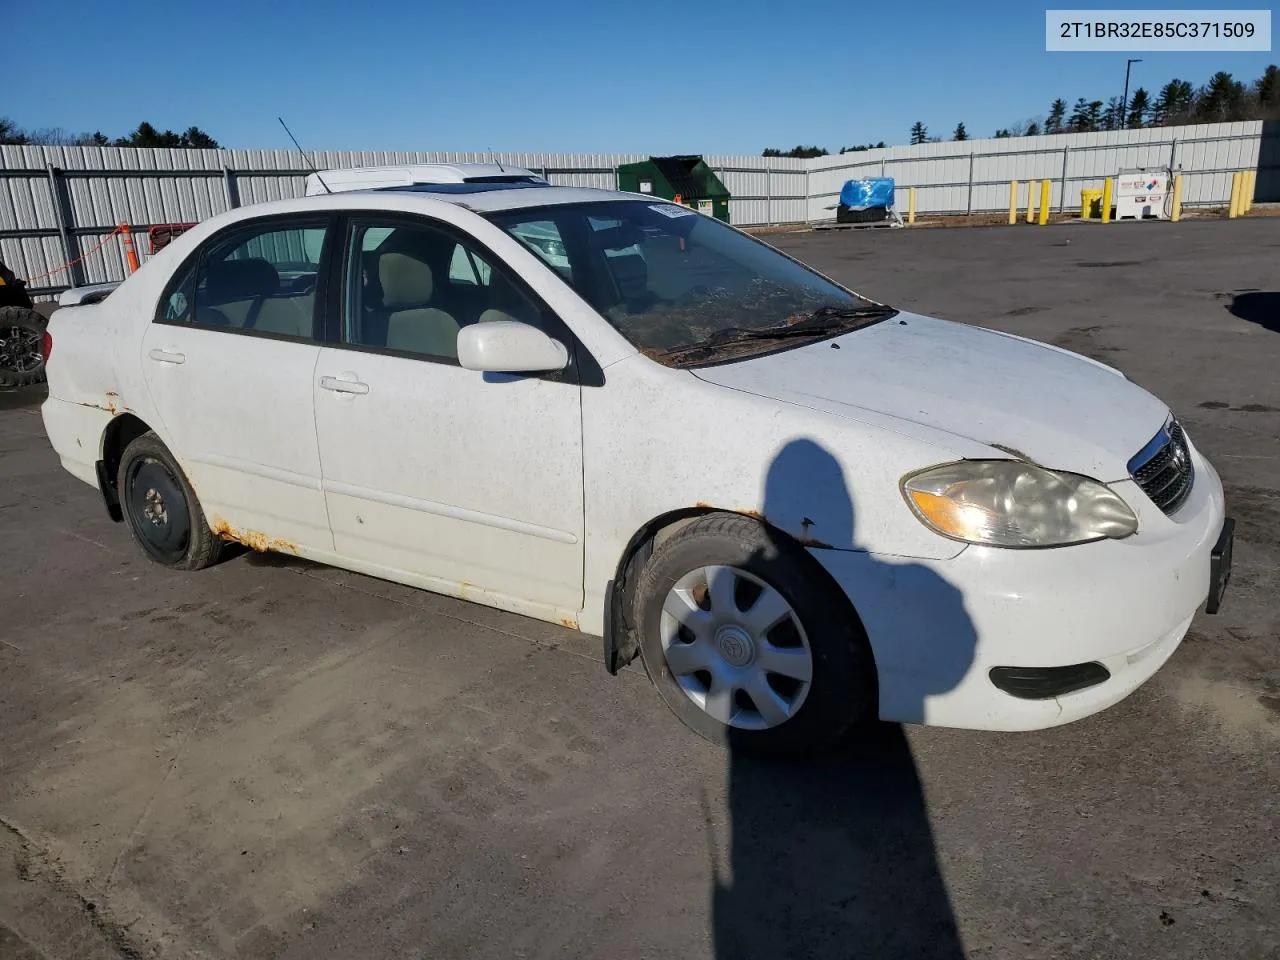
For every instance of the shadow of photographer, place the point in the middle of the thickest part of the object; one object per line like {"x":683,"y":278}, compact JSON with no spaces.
{"x":835,"y":856}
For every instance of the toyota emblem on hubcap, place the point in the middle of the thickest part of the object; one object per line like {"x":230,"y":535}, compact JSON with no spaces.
{"x":735,"y":646}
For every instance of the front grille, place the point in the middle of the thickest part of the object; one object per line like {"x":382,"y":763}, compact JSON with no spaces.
{"x":1163,"y":468}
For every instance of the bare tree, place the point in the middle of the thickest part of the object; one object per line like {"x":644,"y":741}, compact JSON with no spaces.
{"x":1029,"y":127}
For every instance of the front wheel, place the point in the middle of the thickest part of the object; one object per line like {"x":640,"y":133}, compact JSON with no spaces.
{"x":161,"y":508}
{"x":747,"y":643}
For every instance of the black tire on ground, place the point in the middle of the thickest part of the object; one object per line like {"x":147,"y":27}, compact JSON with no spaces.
{"x":869,"y":215}
{"x":161,"y":508}
{"x":21,"y":339}
{"x":843,"y":689}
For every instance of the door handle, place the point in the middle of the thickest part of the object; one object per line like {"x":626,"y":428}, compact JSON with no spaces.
{"x":344,"y":383}
{"x":167,"y":355}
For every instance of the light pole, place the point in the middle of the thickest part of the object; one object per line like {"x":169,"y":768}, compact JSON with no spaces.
{"x":1124,"y":104}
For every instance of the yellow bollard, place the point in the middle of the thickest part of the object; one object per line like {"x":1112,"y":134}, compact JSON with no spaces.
{"x":1031,"y":201}
{"x":1250,"y":182}
{"x":911,"y":205}
{"x":1044,"y":202}
{"x":1013,"y":202}
{"x":1233,"y":206}
{"x":1176,"y":214}
{"x":1107,"y":194}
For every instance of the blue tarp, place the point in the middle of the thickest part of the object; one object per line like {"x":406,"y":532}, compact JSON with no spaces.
{"x":871,"y":192}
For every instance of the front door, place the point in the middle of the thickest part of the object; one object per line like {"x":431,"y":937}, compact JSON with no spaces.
{"x":230,"y":360}
{"x":462,"y":482}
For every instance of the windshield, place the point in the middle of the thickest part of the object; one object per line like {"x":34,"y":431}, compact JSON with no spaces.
{"x":683,"y":287}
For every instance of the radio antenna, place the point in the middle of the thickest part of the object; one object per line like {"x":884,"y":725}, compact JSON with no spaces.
{"x":494,"y":157}
{"x":310,"y":162}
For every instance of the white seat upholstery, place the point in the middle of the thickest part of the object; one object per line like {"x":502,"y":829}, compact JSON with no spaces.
{"x":412,"y":324}
{"x":288,"y":315}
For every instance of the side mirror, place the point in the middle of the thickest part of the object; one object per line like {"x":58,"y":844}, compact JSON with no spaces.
{"x":509,"y":346}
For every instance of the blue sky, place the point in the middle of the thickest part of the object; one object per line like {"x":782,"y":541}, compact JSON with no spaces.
{"x":556,"y":75}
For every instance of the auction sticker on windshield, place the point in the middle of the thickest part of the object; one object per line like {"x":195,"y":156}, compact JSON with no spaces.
{"x":671,"y":210}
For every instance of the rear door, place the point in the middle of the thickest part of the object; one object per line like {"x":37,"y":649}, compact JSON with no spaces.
{"x":229,"y":360}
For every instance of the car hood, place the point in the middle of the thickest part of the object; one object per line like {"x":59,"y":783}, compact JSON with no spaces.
{"x":1053,"y":407}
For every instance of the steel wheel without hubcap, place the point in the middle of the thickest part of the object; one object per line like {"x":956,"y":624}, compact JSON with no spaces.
{"x":157,"y":509}
{"x":736,"y":648}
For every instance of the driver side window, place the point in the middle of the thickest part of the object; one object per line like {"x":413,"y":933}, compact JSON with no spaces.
{"x":411,"y":287}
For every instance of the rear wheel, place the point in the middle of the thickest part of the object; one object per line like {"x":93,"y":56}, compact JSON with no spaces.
{"x":21,"y":339}
{"x":161,"y":508}
{"x":748,"y":643}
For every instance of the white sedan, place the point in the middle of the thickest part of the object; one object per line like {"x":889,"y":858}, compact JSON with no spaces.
{"x":801,"y":508}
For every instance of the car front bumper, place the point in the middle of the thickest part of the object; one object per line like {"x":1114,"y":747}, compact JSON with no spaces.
{"x":938,"y":627}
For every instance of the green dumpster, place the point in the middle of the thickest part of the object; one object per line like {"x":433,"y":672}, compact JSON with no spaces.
{"x":685,"y":179}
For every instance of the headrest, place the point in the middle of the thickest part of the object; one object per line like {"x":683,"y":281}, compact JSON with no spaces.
{"x":406,"y":280}
{"x":625,"y":234}
{"x":241,"y":280}
{"x":631,"y":273}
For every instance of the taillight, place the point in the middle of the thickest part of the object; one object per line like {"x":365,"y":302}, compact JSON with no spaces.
{"x":46,"y":347}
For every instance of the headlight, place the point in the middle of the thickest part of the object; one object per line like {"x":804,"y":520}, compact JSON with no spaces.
{"x":1010,"y":503}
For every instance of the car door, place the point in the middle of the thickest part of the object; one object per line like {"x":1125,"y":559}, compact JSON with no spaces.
{"x":459,"y":481}
{"x":229,"y":360}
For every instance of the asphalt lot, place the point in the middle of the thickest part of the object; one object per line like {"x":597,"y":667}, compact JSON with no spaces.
{"x":276,"y":759}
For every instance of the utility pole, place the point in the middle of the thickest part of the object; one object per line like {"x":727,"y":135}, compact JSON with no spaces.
{"x":1124,"y":104}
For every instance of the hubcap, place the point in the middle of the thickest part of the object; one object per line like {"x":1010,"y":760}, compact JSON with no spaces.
{"x":736,"y":648}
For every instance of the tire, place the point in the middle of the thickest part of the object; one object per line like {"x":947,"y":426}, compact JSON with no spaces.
{"x":161,"y":509}
{"x":21,"y":354}
{"x":869,"y":215}
{"x":696,"y":643}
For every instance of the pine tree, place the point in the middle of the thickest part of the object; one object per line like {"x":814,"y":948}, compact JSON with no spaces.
{"x":1057,"y":116}
{"x":960,"y":132}
{"x":1079,"y":116}
{"x":919,"y":133}
{"x":1033,"y":129}
{"x":195,"y":137}
{"x":1113,"y":115}
{"x":1220,"y":99}
{"x":1268,"y":89}
{"x":1139,"y":107}
{"x":1174,"y":102}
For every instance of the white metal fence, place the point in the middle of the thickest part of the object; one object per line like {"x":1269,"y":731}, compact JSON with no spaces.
{"x":58,"y":203}
{"x":973,"y":176}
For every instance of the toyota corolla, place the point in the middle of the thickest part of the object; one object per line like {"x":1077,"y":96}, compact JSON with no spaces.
{"x":799,"y":507}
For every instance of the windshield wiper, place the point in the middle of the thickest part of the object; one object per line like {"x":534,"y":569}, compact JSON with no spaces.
{"x":827,"y":319}
{"x":820,"y":322}
{"x":823,"y":315}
